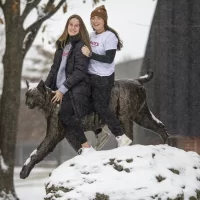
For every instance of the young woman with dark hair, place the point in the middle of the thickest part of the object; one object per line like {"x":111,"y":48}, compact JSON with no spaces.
{"x":104,"y":42}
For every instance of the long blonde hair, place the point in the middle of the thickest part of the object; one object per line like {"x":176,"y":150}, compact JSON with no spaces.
{"x":82,"y":35}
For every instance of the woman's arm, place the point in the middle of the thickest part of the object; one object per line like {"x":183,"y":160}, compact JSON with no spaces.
{"x":81,"y":63}
{"x":108,"y":58}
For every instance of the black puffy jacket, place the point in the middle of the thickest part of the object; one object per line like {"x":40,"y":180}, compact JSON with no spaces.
{"x":76,"y":70}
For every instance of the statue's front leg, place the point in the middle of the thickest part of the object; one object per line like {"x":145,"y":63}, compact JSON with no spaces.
{"x":45,"y":147}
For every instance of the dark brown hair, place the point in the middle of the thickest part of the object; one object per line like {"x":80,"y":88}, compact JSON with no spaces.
{"x":82,"y":35}
{"x":120,"y":43}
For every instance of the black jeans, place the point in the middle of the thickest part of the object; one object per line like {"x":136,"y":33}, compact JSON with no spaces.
{"x":101,"y":93}
{"x":70,"y":119}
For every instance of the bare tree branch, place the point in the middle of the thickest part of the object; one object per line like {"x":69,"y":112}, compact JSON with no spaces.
{"x":39,"y":22}
{"x":49,"y":6}
{"x":94,"y":2}
{"x":29,"y":6}
{"x":33,"y":29}
{"x":29,"y":38}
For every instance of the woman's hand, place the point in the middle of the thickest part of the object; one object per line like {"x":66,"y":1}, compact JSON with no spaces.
{"x":85,"y":50}
{"x":57,"y":97}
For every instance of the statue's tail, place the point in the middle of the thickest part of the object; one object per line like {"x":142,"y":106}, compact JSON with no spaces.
{"x":146,"y":78}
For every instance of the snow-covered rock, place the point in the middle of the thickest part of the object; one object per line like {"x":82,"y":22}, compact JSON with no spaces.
{"x":128,"y":173}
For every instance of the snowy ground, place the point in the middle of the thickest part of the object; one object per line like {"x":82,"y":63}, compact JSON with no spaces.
{"x":33,"y":186}
{"x":142,"y":167}
{"x":137,"y":172}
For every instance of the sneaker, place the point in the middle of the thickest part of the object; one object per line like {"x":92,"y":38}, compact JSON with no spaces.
{"x":123,"y":140}
{"x":101,"y":139}
{"x":83,"y":151}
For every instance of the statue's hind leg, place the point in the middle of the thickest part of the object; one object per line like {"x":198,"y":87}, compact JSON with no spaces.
{"x":146,"y":119}
{"x":127,"y":124}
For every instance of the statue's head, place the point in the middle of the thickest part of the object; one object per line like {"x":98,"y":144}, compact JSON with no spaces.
{"x":36,"y":94}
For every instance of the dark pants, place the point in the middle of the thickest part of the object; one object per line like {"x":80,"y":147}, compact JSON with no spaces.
{"x":101,"y":93}
{"x":70,"y":114}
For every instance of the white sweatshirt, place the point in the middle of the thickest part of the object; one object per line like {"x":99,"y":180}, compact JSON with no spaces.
{"x":100,"y":43}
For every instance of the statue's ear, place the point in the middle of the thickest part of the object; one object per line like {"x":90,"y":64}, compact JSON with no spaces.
{"x":41,"y":87}
{"x":27,"y":84}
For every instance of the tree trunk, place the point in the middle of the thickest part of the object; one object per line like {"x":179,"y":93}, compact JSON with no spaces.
{"x":10,"y":100}
{"x":172,"y":53}
{"x":10,"y":103}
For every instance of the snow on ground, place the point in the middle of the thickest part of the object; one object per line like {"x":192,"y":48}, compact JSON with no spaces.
{"x":148,"y":162}
{"x":128,"y":173}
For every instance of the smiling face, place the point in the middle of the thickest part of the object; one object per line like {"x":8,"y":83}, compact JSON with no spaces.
{"x":73,"y":27}
{"x":98,"y":24}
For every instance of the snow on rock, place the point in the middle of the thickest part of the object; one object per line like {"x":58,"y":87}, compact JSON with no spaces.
{"x":128,"y":173}
{"x":7,"y":195}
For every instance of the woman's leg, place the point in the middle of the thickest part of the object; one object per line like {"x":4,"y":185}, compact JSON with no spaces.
{"x":70,"y":121}
{"x":101,"y":93}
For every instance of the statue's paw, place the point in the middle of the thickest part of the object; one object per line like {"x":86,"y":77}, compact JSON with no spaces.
{"x":25,"y":172}
{"x":169,"y":141}
{"x":164,"y":135}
